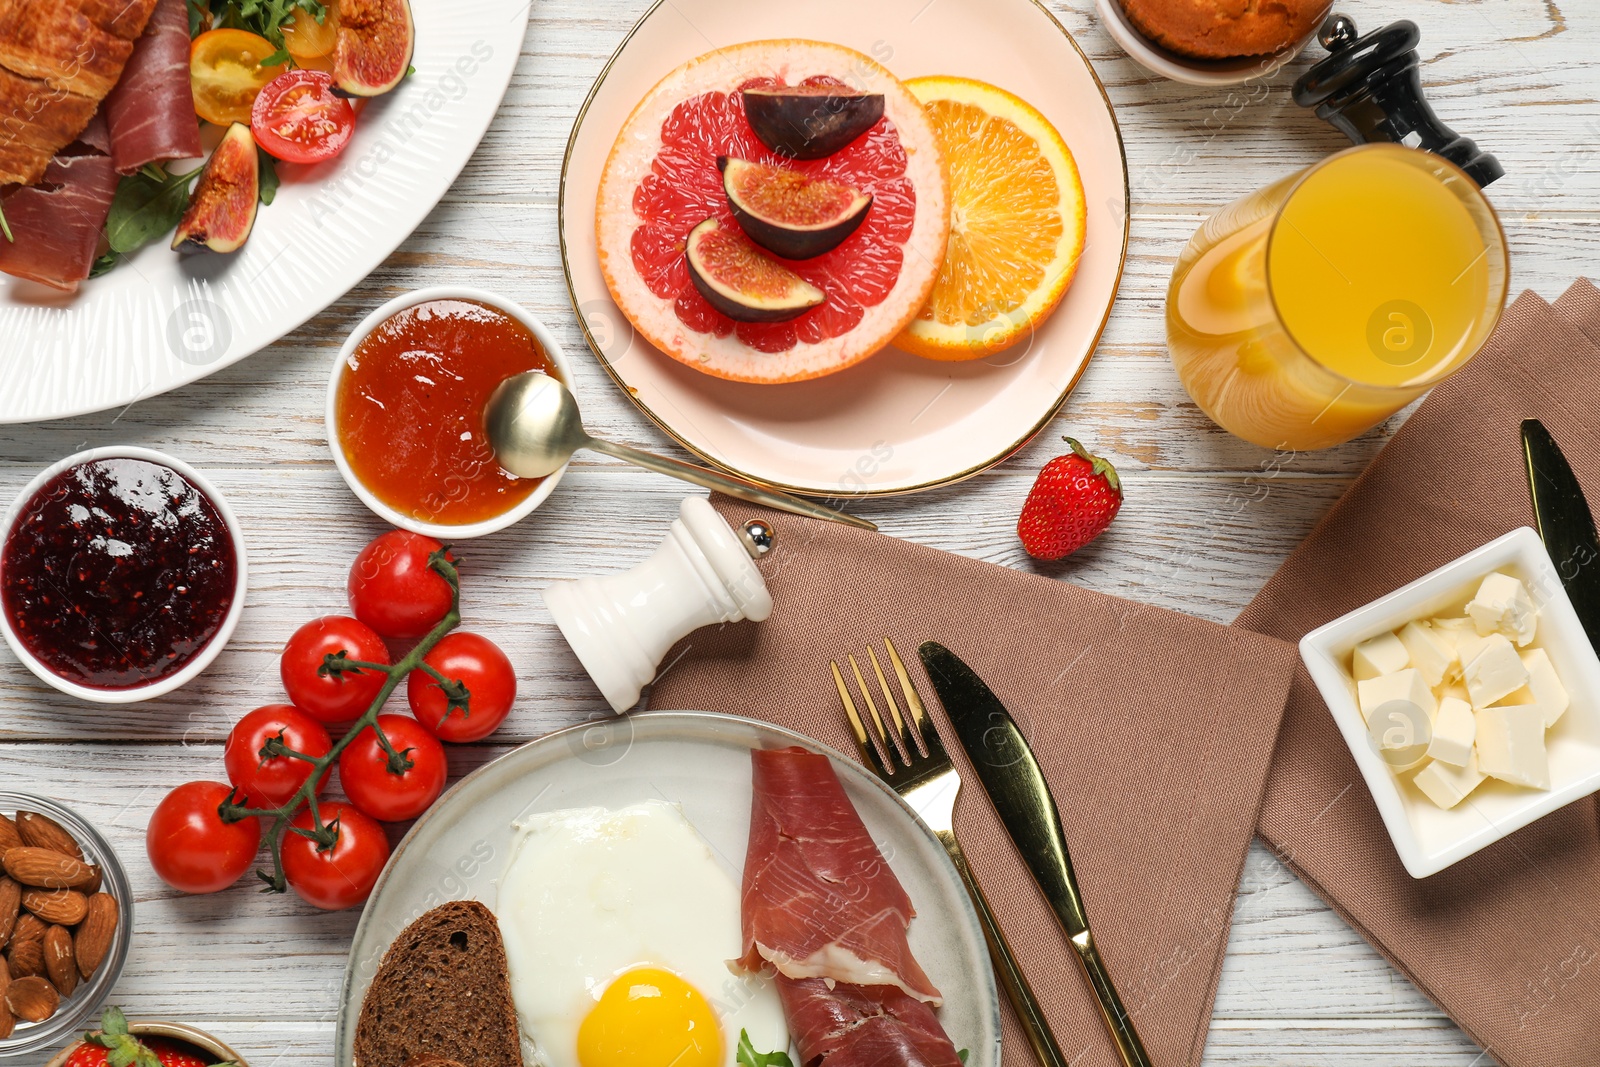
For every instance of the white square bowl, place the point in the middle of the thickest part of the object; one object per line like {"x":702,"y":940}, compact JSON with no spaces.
{"x":1429,"y":838}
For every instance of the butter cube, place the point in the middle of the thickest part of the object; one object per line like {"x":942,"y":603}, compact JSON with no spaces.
{"x":1546,"y":687}
{"x":1430,"y":652}
{"x":1502,"y":606}
{"x":1491,"y":669}
{"x":1381,"y":655}
{"x":1454,"y":730}
{"x":1511,"y":745}
{"x":1406,"y":685}
{"x":1448,"y":786}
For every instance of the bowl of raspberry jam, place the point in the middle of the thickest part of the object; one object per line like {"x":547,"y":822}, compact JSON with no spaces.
{"x":122,"y":575}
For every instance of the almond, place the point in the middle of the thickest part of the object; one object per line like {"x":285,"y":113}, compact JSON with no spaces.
{"x":59,"y":961}
{"x":32,"y":999}
{"x":41,"y":831}
{"x":28,"y":928}
{"x":26,"y":958}
{"x":92,"y":886}
{"x":10,"y":905}
{"x":93,"y":939}
{"x":7,"y":1023}
{"x":65,"y":907}
{"x":9,"y":837}
{"x":46,"y":868}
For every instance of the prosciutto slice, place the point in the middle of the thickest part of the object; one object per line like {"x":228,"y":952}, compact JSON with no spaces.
{"x":818,"y":899}
{"x":862,"y":1026}
{"x":57,"y":223}
{"x":151,"y":111}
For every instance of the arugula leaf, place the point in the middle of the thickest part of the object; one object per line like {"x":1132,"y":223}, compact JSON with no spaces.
{"x":264,"y":17}
{"x":104,"y":265}
{"x":749,"y":1057}
{"x":5,"y":228}
{"x":961,"y":1054}
{"x":147,"y":205}
{"x":269,"y":175}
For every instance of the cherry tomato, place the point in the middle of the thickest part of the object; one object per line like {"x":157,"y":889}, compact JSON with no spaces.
{"x":490,"y":679}
{"x":270,"y":783}
{"x":226,"y":74}
{"x":189,"y":845}
{"x":393,"y":590}
{"x":381,"y":793}
{"x":306,"y":38}
{"x":298,"y":119}
{"x":343,"y":875}
{"x":332,"y":698}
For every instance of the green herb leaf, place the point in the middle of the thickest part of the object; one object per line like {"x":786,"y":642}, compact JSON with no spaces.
{"x":147,"y":205}
{"x":749,"y":1057}
{"x":269,"y":176}
{"x":961,"y":1054}
{"x":5,"y":228}
{"x":105,"y":264}
{"x":277,"y":59}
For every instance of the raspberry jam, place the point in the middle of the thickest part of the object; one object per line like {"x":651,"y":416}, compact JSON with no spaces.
{"x":117,"y":573}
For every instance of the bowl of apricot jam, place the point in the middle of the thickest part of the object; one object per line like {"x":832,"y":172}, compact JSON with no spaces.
{"x":405,"y":410}
{"x":122,"y":574}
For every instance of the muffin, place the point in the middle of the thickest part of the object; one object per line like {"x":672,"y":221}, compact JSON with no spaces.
{"x":1225,"y":29}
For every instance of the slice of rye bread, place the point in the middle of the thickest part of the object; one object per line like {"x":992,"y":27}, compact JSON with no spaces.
{"x":432,"y":1061}
{"x":442,"y":993}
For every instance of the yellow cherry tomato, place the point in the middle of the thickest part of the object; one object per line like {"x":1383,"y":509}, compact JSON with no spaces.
{"x":309,"y":40}
{"x":226,"y":74}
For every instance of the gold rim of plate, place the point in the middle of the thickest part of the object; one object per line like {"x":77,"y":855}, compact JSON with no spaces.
{"x":811,"y":491}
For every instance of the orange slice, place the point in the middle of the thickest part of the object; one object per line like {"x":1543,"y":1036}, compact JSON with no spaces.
{"x":1016,"y":221}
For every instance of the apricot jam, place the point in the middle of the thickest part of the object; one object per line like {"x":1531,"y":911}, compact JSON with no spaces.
{"x":409,"y":410}
{"x":117,"y":573}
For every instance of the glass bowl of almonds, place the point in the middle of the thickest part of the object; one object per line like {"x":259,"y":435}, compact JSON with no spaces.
{"x":66,"y":913}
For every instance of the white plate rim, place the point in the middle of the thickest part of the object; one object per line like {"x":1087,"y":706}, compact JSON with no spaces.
{"x":661,"y":421}
{"x":664,"y":724}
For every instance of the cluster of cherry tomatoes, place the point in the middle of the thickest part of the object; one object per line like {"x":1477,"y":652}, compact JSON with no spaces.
{"x":396,"y":597}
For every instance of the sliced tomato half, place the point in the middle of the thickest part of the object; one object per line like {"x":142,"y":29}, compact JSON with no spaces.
{"x":298,"y":119}
{"x":227,"y":73}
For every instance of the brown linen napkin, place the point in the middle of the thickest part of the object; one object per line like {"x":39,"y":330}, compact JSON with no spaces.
{"x":1155,"y":730}
{"x":1507,"y":941}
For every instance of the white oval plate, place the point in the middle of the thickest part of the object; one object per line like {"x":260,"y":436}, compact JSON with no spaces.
{"x":160,"y":321}
{"x":700,"y":760}
{"x":894,"y":423}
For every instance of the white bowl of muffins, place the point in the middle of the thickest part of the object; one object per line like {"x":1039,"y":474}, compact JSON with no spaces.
{"x":1212,"y":42}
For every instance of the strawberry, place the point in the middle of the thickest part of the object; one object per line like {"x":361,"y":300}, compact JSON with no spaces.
{"x":1071,"y":503}
{"x":113,"y":1044}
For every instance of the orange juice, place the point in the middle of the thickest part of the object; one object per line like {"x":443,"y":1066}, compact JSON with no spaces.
{"x":1308,"y":312}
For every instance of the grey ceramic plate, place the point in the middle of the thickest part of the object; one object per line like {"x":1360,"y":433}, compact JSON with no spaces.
{"x":699,"y":760}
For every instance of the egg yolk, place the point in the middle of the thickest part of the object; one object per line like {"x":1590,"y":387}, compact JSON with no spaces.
{"x":648,"y":1017}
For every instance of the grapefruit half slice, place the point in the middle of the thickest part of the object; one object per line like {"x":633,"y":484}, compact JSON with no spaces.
{"x":662,"y":179}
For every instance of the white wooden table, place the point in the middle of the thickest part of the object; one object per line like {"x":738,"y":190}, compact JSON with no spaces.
{"x":1520,"y":76}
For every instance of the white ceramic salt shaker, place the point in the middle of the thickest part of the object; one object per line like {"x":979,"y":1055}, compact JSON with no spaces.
{"x":702,"y":574}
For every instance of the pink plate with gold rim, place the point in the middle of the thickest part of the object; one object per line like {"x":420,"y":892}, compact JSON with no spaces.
{"x":895,"y":423}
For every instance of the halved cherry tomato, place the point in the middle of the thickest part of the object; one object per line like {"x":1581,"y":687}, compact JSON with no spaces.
{"x":226,"y":73}
{"x":299,"y":120}
{"x":306,"y":38}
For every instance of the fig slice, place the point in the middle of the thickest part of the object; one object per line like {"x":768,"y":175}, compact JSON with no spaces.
{"x":741,"y":281}
{"x":376,"y":41}
{"x":788,"y":213}
{"x":222,"y":208}
{"x":810,"y":121}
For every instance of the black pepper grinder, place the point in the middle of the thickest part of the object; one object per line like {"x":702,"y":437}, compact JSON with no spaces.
{"x":1369,"y":89}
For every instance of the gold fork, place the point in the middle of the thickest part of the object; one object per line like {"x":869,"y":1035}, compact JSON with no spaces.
{"x":929,"y":782}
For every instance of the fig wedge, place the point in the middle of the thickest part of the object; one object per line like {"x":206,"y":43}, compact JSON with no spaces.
{"x":741,"y":281}
{"x":376,"y":41}
{"x":222,"y":208}
{"x":788,"y":213}
{"x":810,"y":121}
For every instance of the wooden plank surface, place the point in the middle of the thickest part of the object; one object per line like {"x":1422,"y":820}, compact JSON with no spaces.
{"x":1519,"y":76}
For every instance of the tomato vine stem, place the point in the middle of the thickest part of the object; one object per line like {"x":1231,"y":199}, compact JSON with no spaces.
{"x":326,"y":835}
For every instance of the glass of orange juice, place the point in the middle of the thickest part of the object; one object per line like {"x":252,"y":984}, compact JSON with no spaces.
{"x":1311,"y":310}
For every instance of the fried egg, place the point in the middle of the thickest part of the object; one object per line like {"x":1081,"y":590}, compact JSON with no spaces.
{"x":618,"y":927}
